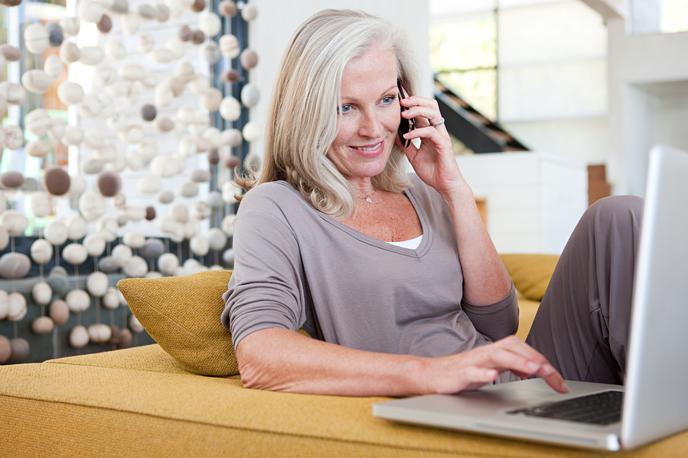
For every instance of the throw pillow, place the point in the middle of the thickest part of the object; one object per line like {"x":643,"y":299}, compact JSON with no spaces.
{"x":182,"y":314}
{"x":531,"y":272}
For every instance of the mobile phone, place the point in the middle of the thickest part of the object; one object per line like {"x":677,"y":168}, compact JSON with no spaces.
{"x":406,"y":125}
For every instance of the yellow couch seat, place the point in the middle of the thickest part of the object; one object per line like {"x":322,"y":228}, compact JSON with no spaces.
{"x":138,"y":402}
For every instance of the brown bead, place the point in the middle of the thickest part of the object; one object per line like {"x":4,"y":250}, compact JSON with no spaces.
{"x":11,"y":53}
{"x":56,"y":181}
{"x":231,"y":162}
{"x":184,"y":33}
{"x":231,"y":76}
{"x":198,"y":5}
{"x":227,"y":8}
{"x":198,"y":37}
{"x":248,"y":59}
{"x":11,"y":180}
{"x":104,"y":24}
{"x":148,"y":112}
{"x":213,"y":156}
{"x":10,"y":2}
{"x":109,"y":184}
{"x":150,"y":213}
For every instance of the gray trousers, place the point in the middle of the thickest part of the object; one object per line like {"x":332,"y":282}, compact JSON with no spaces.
{"x":583,"y":323}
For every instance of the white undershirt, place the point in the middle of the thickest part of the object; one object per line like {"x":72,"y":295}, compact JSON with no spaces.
{"x":411,"y":244}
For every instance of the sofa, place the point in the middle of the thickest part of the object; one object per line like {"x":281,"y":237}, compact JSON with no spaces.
{"x":153,"y":400}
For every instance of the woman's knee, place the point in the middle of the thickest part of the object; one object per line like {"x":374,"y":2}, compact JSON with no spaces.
{"x":616,"y":209}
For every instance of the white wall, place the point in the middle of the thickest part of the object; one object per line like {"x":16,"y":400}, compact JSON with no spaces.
{"x":642,"y":70}
{"x":534,"y":200}
{"x":552,"y":78}
{"x":278,"y":20}
{"x":585,"y":138}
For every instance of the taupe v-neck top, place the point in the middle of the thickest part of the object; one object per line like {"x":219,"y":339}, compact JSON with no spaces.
{"x":298,"y":267}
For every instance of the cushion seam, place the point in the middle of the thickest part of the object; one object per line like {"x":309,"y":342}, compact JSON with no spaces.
{"x":238,"y":428}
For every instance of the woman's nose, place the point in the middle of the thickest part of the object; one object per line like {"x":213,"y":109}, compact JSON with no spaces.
{"x":370,"y":125}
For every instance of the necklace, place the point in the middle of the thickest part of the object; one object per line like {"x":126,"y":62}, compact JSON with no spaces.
{"x":368,"y":197}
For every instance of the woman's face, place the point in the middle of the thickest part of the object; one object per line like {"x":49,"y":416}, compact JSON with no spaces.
{"x":370,"y":115}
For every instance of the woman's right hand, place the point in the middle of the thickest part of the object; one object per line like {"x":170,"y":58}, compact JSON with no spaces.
{"x":472,"y":369}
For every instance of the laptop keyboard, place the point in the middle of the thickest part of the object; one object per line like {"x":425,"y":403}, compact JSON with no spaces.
{"x":602,"y":408}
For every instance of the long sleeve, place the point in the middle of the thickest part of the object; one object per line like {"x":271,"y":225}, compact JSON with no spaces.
{"x":265,"y":290}
{"x":495,"y":320}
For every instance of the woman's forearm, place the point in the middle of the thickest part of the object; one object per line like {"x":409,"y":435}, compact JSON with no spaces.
{"x":282,"y":360}
{"x":486,"y":280}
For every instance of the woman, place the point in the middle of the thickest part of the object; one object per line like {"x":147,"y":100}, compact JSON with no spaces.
{"x":394,"y":275}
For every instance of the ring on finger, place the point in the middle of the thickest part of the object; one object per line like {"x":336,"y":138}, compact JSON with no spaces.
{"x":437,"y":122}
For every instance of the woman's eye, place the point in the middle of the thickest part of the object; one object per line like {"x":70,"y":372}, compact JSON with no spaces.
{"x":345,"y":108}
{"x":389,"y":99}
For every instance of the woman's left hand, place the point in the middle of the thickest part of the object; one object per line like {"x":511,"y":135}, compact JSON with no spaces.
{"x":434,"y":161}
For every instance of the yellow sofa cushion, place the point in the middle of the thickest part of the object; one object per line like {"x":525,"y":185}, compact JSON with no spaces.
{"x":530,"y":272}
{"x":182,"y":314}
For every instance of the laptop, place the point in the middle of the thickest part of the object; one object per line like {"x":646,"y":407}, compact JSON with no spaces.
{"x":654,"y":401}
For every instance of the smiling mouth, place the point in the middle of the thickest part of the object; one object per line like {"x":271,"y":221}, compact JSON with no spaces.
{"x":368,"y":149}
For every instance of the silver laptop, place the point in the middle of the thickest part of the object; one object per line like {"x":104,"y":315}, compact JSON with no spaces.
{"x":654,"y":401}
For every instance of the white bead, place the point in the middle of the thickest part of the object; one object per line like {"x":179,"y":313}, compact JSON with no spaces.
{"x":36,"y":38}
{"x":91,"y":205}
{"x":76,"y":228}
{"x":97,"y":284}
{"x":230,"y":108}
{"x":36,"y":81}
{"x":14,"y":221}
{"x":74,"y":253}
{"x":189,"y":189}
{"x":41,"y":204}
{"x":229,"y":46}
{"x":250,"y":95}
{"x":78,"y":300}
{"x":94,"y":244}
{"x":199,"y":245}
{"x":251,"y":132}
{"x":168,"y":263}
{"x":53,"y":66}
{"x":16,"y":307}
{"x":110,"y":300}
{"x":122,"y":254}
{"x":78,"y":337}
{"x":41,"y":251}
{"x":56,"y":232}
{"x":134,"y":239}
{"x":216,"y":239}
{"x":42,"y":293}
{"x":70,"y":93}
{"x":136,"y":266}
{"x":209,"y":23}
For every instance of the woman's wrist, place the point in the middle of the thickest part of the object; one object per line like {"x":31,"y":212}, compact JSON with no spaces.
{"x":458,"y":194}
{"x":419,"y":376}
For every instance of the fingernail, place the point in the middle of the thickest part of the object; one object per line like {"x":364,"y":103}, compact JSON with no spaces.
{"x":564,"y":386}
{"x":405,"y":135}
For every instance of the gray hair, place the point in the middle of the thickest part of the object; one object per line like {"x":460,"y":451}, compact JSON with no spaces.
{"x":303,"y":119}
